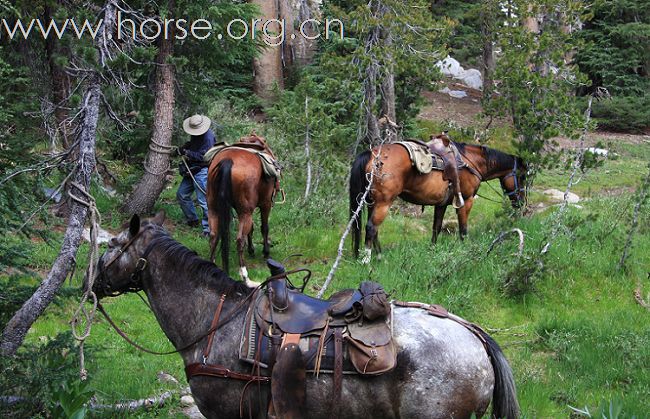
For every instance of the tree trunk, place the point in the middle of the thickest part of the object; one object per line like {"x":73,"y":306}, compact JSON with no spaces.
{"x":304,"y":49}
{"x":157,"y":162}
{"x":60,"y":83}
{"x":287,"y":12}
{"x":370,"y":102}
{"x":15,"y":331}
{"x":388,"y":80}
{"x":488,"y":64}
{"x":268,"y":65}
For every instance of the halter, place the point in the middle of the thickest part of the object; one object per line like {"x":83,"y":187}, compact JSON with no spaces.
{"x":517,"y":188}
{"x":135,"y":282}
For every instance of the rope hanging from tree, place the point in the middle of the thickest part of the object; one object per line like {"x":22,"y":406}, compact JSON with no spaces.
{"x":82,"y":315}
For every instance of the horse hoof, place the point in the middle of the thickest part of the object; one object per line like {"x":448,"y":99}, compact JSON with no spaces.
{"x":366,"y":257}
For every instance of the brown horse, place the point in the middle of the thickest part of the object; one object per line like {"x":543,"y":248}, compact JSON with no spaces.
{"x":236,"y":180}
{"x":395,"y":176}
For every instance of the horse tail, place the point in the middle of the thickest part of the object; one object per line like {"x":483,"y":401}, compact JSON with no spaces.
{"x":504,"y":396}
{"x":224,"y":203}
{"x":358,"y":185}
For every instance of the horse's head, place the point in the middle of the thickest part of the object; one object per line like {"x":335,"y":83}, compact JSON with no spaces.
{"x":514,"y":184}
{"x":119,"y":269}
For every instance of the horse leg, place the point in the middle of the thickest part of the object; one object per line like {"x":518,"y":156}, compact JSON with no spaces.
{"x":245,"y":227}
{"x":377,"y":245}
{"x":376,"y":216}
{"x":213,"y":221}
{"x":438,"y":216}
{"x":251,"y":248}
{"x":265,"y":211}
{"x":463,"y":215}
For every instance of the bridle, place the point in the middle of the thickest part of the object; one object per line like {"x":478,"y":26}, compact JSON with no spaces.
{"x":135,"y":282}
{"x":513,"y":173}
{"x":518,"y":187}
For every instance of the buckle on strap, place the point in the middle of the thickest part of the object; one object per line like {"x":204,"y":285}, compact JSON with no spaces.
{"x":141,"y":264}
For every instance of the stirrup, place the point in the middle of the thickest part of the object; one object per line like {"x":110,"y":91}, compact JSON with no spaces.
{"x":458,"y":201}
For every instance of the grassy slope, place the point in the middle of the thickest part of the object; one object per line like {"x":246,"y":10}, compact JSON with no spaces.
{"x":577,"y":339}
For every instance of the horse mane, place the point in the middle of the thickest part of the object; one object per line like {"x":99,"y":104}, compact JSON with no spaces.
{"x":196,"y":268}
{"x":494,"y":158}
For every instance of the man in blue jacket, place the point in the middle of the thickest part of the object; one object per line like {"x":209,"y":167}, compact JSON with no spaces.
{"x":198,"y":126}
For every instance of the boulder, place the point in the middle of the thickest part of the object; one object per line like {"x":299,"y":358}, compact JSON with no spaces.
{"x":187,"y":400}
{"x":558,"y":195}
{"x":471,"y":78}
{"x":450,"y":67}
{"x":598,"y":151}
{"x":459,"y":94}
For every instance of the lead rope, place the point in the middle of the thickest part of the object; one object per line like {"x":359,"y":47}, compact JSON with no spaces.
{"x":192,"y":176}
{"x":81,"y":315}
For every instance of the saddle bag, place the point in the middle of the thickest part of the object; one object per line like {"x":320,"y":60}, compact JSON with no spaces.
{"x":371,"y":348}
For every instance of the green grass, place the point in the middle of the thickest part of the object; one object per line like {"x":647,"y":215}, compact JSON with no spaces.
{"x":576,"y":338}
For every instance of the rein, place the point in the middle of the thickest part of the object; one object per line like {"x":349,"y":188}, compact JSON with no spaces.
{"x":141,"y":266}
{"x":210,"y":331}
{"x":474,"y":170}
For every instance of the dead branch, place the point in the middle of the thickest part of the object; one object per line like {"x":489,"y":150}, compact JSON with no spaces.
{"x":149,"y":402}
{"x":642,"y":197}
{"x":503,"y":235}
{"x":639,"y":298}
{"x":353,"y":219}
{"x":307,"y":151}
{"x":577,"y":164}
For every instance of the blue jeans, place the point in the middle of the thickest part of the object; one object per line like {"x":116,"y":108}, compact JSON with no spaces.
{"x":184,"y":196}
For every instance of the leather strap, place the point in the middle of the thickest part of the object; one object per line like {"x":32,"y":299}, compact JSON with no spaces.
{"x":338,"y":371}
{"x":291,"y":338}
{"x":200,"y":369}
{"x":433,"y":309}
{"x":213,"y":327}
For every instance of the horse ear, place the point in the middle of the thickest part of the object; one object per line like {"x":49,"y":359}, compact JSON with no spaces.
{"x":159,"y":218}
{"x":134,"y":225}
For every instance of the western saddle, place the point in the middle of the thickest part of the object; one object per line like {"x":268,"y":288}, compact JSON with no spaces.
{"x":293,"y":333}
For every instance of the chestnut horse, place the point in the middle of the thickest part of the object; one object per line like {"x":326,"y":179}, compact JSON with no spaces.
{"x":395,"y":176}
{"x":236,"y":180}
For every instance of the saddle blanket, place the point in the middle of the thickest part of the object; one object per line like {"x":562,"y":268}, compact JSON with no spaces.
{"x":270,"y":167}
{"x":424,"y":161}
{"x":421,"y":158}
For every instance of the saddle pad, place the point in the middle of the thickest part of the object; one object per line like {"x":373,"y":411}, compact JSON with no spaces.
{"x":421,"y":158}
{"x":270,"y":167}
{"x":255,"y":349}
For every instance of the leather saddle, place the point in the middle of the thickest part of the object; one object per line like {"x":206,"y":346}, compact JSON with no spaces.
{"x":294,"y":312}
{"x":252,"y":146}
{"x":290,"y":333}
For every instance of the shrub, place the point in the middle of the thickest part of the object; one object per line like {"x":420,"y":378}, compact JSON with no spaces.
{"x":626,"y":113}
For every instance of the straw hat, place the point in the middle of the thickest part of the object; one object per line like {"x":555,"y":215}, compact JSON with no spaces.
{"x":197,"y":125}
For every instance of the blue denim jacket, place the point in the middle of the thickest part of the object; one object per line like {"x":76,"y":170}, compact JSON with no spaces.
{"x":196,"y":147}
